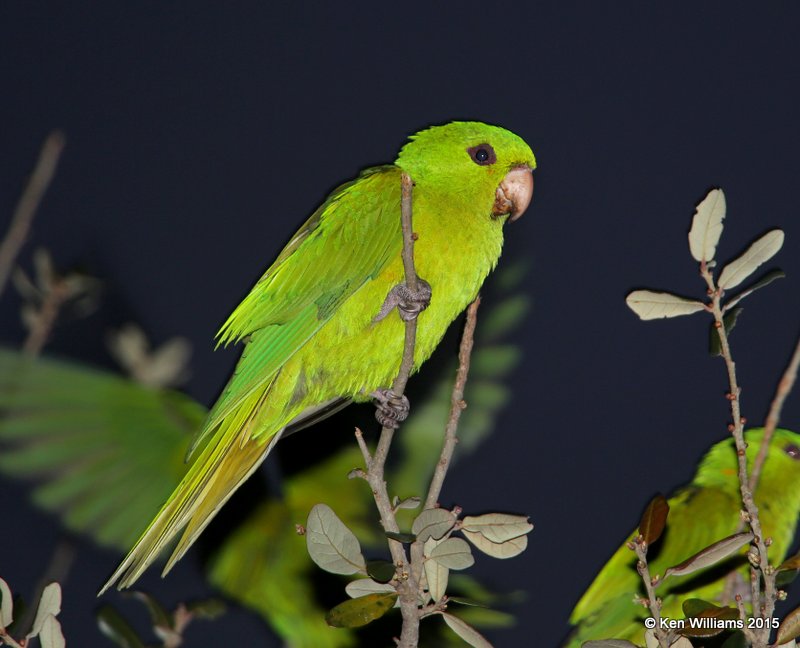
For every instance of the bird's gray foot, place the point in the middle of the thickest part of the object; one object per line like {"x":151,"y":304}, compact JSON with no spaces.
{"x":390,"y":410}
{"x":410,"y":303}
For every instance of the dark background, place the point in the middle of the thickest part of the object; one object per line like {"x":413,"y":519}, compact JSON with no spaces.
{"x":201,"y":135}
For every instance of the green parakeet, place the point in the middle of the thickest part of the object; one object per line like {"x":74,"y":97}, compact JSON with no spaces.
{"x":315,"y":327}
{"x":701,"y":513}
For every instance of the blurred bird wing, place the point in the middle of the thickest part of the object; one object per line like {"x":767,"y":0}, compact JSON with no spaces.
{"x":346,"y":242}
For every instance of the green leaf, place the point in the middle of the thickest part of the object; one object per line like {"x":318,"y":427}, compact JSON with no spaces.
{"x":791,"y":563}
{"x":158,"y":615}
{"x":408,"y":503}
{"x":50,"y":636}
{"x":206,"y":609}
{"x":700,"y":609}
{"x":648,"y":304}
{"x":331,"y":545}
{"x":466,"y":631}
{"x":49,"y":605}
{"x":360,"y":611}
{"x":381,"y":570}
{"x":113,"y":626}
{"x":503,"y":550}
{"x":654,"y":518}
{"x":711,"y":555}
{"x":6,"y":605}
{"x":453,"y":553}
{"x":495,"y":361}
{"x":405,"y":538}
{"x":728,"y":321}
{"x":707,"y":226}
{"x":609,"y":643}
{"x":436,"y":574}
{"x":433,"y":523}
{"x":497,"y":527}
{"x":363,"y":586}
{"x":759,"y":252}
{"x":789,"y":628}
{"x":504,"y":317}
{"x":765,"y":280}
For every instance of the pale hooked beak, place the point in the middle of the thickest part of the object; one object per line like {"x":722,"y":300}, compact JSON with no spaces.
{"x":514,"y":193}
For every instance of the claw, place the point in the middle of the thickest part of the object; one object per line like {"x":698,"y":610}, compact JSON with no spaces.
{"x":390,"y":409}
{"x":409,"y":303}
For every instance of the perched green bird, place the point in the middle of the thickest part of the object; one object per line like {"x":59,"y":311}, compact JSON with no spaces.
{"x":315,"y":326}
{"x":705,"y":511}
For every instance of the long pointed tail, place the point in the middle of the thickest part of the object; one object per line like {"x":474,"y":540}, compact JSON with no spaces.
{"x":227,"y":460}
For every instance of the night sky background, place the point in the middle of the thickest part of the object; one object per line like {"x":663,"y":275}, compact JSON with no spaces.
{"x":200,"y":135}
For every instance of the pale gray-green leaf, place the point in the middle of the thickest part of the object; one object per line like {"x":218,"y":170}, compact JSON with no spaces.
{"x":364,"y":586}
{"x":608,"y":643}
{"x":497,"y":527}
{"x":6,"y":605}
{"x":453,"y":553}
{"x":331,"y":545}
{"x":466,"y":631}
{"x":408,"y":503}
{"x":432,"y":523}
{"x":711,"y":555}
{"x":507,"y":549}
{"x":50,"y":635}
{"x":758,"y":253}
{"x":648,"y":304}
{"x":49,"y":604}
{"x":436,"y":573}
{"x":707,"y":226}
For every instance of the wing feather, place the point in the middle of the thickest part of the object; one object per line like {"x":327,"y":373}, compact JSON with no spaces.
{"x":346,"y":242}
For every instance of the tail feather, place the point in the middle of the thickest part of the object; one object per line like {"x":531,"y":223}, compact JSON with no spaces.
{"x":227,"y":460}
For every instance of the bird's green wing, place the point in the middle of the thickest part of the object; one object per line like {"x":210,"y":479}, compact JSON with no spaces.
{"x":347,"y":241}
{"x":92,"y":438}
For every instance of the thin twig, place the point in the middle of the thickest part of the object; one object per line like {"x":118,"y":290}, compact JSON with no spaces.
{"x":29,"y":202}
{"x":784,"y":387}
{"x":457,"y":406}
{"x":764,"y":607}
{"x":407,"y":587}
{"x":653,"y":602}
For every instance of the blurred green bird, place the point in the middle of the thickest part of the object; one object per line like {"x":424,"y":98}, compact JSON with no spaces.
{"x":705,"y":511}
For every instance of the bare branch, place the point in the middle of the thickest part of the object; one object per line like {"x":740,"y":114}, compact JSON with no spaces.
{"x":784,"y":387}
{"x":457,"y":405}
{"x":766,"y":605}
{"x":407,"y":588}
{"x":653,"y":602}
{"x":29,"y":202}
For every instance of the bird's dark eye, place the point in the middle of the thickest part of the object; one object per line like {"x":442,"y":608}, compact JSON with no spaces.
{"x":792,"y":450}
{"x":482,"y":154}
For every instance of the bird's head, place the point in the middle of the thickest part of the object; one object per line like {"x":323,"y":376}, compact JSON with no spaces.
{"x":781,"y":468}
{"x":477,"y":163}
